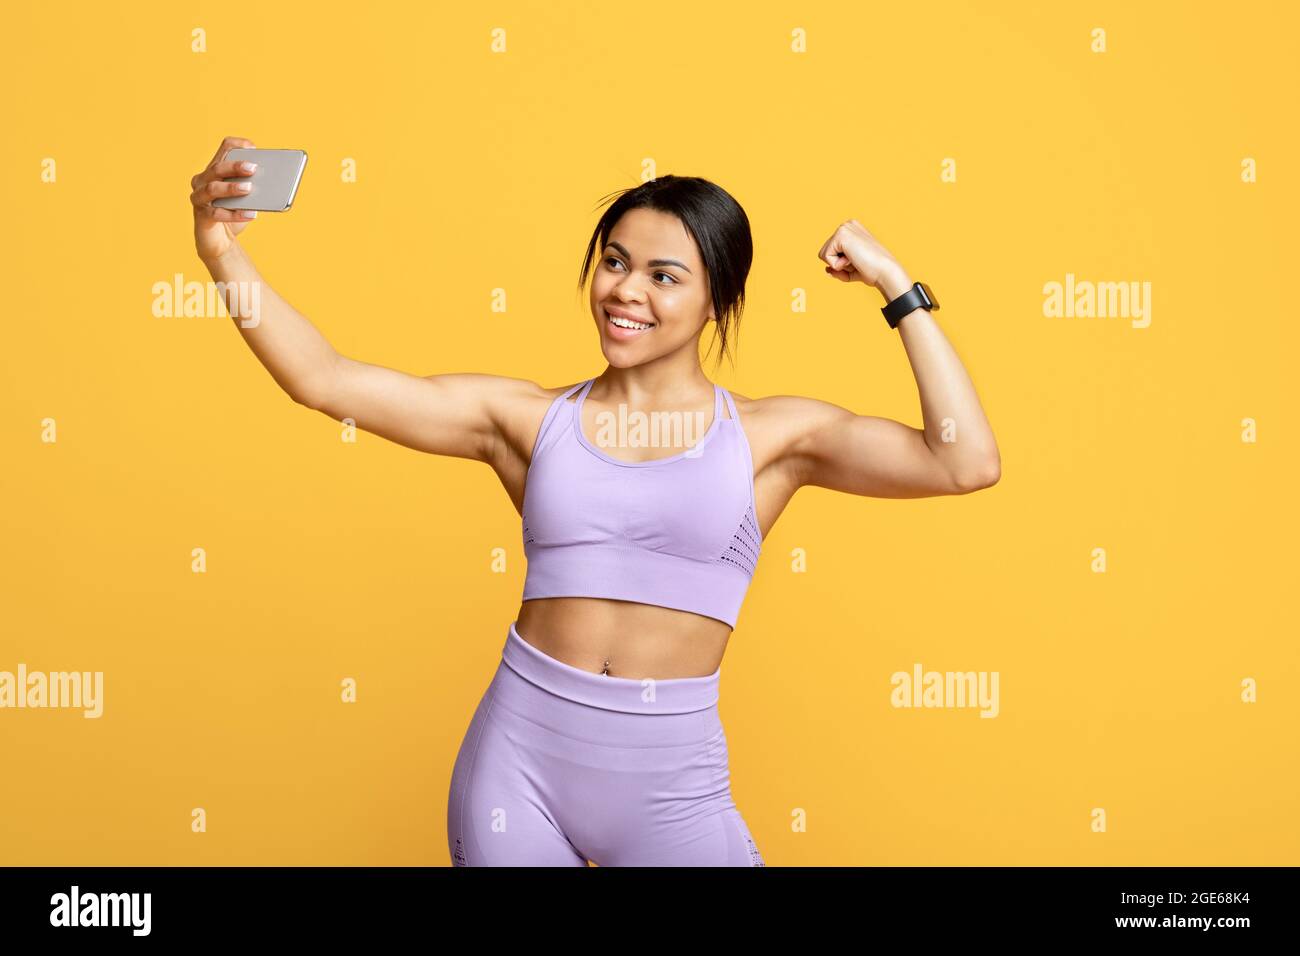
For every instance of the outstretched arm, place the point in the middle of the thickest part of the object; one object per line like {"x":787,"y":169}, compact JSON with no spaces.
{"x":453,"y":414}
{"x":955,"y":453}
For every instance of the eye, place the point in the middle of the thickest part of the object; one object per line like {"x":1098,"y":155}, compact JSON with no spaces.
{"x":615,"y":261}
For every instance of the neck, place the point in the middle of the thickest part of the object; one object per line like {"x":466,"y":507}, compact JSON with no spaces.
{"x":653,"y":385}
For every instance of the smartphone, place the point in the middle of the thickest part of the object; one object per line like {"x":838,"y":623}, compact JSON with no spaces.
{"x":275,"y":181}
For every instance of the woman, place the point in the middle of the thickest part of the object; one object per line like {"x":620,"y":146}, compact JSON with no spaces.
{"x":598,"y":738}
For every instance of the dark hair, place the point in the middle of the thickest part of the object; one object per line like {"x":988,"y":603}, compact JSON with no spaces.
{"x":713,"y":219}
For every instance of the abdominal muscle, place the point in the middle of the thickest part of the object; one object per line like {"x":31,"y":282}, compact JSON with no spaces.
{"x":623,"y":638}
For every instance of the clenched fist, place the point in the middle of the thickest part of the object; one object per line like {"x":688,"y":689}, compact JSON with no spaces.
{"x":852,"y":254}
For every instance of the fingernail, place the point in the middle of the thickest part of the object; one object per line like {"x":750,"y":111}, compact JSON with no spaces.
{"x":250,"y":213}
{"x":243,"y":187}
{"x":248,"y":167}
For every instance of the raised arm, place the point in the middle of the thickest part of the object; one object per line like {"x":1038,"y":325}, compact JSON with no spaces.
{"x":454,"y":414}
{"x":832,"y":447}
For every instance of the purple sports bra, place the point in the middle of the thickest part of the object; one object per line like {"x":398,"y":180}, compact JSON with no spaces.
{"x":677,"y":532}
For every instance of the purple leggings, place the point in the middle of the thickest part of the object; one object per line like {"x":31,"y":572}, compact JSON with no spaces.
{"x":561,"y":766}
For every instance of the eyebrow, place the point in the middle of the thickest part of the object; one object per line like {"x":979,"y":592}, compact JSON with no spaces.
{"x":652,"y":262}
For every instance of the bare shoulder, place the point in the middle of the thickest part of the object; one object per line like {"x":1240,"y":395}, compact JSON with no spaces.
{"x":502,"y":395}
{"x":516,"y":407}
{"x":782,"y":428}
{"x":504,"y":390}
{"x":782,"y":420}
{"x":787,"y":411}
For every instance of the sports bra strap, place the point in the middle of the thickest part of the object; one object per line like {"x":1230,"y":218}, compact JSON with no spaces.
{"x":556,"y":404}
{"x":731,"y":405}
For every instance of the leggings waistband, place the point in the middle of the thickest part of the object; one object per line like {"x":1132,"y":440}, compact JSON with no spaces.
{"x":676,"y":695}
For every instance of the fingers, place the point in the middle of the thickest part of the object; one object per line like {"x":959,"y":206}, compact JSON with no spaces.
{"x":830,"y":248}
{"x":221,"y":214}
{"x":228,"y":170}
{"x":838,"y":262}
{"x":231,"y":169}
{"x":219,"y":187}
{"x":222,"y":170}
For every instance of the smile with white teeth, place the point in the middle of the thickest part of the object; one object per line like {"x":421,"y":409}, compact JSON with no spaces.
{"x":623,"y":323}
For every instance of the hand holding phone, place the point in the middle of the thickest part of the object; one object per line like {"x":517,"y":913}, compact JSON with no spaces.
{"x":228,"y":181}
{"x":274,"y":182}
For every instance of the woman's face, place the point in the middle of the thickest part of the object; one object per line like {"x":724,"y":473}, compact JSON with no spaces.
{"x":650,"y":271}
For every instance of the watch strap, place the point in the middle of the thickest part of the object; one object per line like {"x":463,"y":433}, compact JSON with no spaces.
{"x":914,"y":298}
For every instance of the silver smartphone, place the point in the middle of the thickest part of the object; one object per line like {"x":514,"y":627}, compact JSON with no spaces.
{"x":275,"y":181}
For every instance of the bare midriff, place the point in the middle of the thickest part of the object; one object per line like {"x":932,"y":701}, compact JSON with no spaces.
{"x":623,"y":638}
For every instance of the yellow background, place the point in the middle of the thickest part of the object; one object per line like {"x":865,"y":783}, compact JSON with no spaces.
{"x":481,"y":170}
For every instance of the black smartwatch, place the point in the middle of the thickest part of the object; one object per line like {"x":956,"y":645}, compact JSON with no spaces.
{"x":917,"y":297}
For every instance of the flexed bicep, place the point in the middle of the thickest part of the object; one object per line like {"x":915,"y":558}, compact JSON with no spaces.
{"x":866,"y":455}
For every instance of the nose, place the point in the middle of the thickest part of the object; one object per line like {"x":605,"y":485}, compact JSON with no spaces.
{"x":629,"y":290}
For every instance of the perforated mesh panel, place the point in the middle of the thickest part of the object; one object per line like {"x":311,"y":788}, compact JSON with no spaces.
{"x":745,"y":544}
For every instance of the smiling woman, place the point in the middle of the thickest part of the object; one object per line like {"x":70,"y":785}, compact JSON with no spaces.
{"x":598,"y":737}
{"x":698,"y":250}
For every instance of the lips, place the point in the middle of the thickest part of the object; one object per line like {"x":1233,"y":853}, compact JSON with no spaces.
{"x":619,"y":333}
{"x":622,"y":314}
